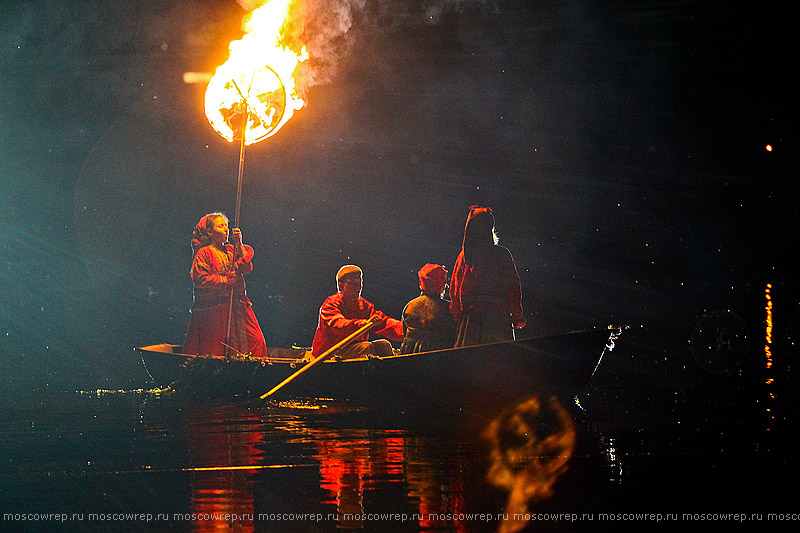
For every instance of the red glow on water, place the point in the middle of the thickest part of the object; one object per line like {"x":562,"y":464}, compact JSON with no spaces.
{"x":219,"y":494}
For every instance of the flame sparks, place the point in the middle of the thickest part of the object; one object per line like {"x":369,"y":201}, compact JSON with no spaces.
{"x":256,"y":83}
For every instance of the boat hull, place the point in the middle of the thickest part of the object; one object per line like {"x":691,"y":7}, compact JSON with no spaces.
{"x":475,"y":378}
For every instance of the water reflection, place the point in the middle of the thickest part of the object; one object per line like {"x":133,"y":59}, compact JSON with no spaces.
{"x":532,"y":443}
{"x":241,"y":461}
{"x":142,"y":462}
{"x":222,"y":447}
{"x":245,"y":465}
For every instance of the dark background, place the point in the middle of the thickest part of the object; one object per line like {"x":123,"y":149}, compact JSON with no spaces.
{"x":620,"y":143}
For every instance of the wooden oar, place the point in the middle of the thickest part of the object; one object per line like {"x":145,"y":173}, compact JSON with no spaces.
{"x":347,"y":340}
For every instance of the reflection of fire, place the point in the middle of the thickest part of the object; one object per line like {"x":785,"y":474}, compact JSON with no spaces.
{"x":350,"y":466}
{"x":347,"y":465}
{"x":531,"y":446}
{"x":344,"y":466}
{"x":259,"y":71}
{"x":227,"y":444}
{"x":222,"y":495}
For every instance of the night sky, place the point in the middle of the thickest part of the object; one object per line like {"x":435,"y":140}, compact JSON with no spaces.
{"x":621,"y":144}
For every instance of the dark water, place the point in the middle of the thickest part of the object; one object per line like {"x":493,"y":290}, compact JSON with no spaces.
{"x":646,"y":444}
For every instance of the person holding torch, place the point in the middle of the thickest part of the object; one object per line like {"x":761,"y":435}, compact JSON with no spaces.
{"x":222,"y":314}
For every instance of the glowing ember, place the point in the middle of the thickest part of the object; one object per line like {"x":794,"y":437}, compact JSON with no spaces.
{"x":258,"y":77}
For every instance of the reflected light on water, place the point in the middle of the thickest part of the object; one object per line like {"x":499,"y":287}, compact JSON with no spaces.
{"x":344,"y":467}
{"x":230,"y":446}
{"x":531,"y":445}
{"x":440,"y":494}
{"x":227,"y":438}
{"x":768,"y":356}
{"x":613,"y":460}
{"x":353,"y":463}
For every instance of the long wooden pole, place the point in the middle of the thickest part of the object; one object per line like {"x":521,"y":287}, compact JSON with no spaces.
{"x":241,"y":164}
{"x":347,"y":340}
{"x":236,"y":214}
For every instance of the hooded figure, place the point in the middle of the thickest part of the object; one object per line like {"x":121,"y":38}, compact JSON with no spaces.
{"x":427,"y":322}
{"x":217,"y":269}
{"x":485,"y":290}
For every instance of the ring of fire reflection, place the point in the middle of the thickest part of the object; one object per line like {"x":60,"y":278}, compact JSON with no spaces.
{"x":531,"y":445}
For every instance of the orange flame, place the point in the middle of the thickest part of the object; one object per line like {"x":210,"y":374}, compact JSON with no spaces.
{"x":257,"y":77}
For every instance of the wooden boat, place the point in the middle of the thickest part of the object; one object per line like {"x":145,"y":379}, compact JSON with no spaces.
{"x":486,"y":376}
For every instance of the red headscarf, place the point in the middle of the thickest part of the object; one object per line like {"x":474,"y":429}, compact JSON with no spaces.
{"x":432,"y":278}
{"x":201,"y":236}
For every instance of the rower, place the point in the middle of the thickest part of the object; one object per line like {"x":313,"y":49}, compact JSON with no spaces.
{"x":345,"y":312}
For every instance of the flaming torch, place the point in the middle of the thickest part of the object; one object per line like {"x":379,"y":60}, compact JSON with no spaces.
{"x":252,"y":95}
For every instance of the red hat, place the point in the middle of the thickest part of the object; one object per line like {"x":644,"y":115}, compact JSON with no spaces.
{"x":432,"y":278}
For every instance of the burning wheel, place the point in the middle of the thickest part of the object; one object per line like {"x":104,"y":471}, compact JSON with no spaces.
{"x":262,"y":96}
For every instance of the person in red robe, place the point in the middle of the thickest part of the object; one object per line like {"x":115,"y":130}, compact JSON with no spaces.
{"x":485,"y":290}
{"x":218,"y":267}
{"x":345,"y":312}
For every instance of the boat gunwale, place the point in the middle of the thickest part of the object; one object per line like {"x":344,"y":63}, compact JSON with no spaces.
{"x":334,"y":359}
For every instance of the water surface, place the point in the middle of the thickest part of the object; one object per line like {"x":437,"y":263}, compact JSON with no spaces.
{"x":637,"y":448}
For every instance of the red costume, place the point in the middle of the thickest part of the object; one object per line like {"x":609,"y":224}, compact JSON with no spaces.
{"x":485,"y":289}
{"x":338,"y":319}
{"x":208,"y":324}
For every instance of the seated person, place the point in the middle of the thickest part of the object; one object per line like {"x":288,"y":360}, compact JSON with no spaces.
{"x":427,"y":322}
{"x":345,"y":312}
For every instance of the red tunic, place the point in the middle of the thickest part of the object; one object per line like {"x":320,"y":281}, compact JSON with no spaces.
{"x":208,"y":323}
{"x":491,"y":284}
{"x":338,"y":319}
